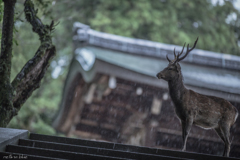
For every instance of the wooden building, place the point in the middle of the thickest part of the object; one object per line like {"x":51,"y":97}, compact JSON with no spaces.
{"x":111,"y":92}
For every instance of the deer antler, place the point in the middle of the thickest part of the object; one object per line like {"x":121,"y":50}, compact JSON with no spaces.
{"x":179,"y":54}
{"x":182,"y":50}
{"x":168,"y":58}
{"x":177,"y":59}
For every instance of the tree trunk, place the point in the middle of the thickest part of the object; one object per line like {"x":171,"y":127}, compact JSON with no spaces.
{"x":6,"y":91}
{"x":14,"y":95}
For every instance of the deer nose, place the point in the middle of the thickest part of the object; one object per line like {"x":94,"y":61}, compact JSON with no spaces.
{"x":159,"y":75}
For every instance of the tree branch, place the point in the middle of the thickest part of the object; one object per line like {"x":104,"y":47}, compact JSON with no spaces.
{"x":29,"y":78}
{"x":44,"y":31}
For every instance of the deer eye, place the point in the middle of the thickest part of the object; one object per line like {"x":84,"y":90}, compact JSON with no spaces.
{"x":170,"y":68}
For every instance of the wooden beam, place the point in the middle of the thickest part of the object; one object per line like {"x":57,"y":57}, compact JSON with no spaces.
{"x":102,"y":125}
{"x":87,"y":135}
{"x":105,"y":133}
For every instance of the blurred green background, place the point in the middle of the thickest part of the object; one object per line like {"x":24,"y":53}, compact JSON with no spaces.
{"x":217,"y":23}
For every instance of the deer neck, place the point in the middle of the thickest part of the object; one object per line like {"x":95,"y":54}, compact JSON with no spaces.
{"x":176,"y":89}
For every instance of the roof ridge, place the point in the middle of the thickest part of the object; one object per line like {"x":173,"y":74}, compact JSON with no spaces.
{"x":84,"y":33}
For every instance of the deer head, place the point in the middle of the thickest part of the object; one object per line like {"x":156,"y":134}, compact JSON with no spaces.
{"x":173,"y":70}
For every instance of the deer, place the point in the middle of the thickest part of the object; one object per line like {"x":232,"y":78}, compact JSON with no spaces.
{"x":192,"y":108}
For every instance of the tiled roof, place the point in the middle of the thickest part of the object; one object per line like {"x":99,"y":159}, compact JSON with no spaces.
{"x":84,"y":33}
{"x":194,"y":75}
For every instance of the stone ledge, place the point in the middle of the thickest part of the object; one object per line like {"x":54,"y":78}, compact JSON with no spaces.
{"x":11,"y":136}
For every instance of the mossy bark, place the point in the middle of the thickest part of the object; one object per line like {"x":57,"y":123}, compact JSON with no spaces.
{"x":13,"y":95}
{"x":6,"y":90}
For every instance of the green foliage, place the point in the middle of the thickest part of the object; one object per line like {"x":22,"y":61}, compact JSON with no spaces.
{"x":166,"y":21}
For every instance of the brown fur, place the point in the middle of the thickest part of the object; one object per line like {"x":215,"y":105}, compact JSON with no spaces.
{"x":208,"y":112}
